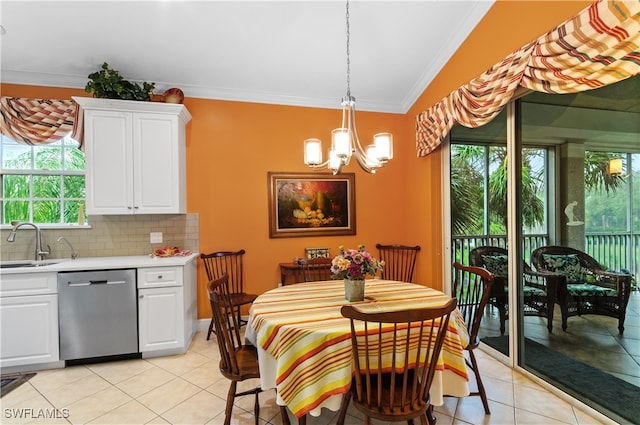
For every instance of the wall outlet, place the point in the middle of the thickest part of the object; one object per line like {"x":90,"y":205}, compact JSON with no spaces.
{"x":155,"y":237}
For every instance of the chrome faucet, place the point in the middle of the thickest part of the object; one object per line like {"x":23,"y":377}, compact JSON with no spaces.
{"x":74,"y":254}
{"x":40,"y":254}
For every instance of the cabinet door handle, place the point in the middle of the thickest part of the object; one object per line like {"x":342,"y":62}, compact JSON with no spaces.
{"x":136,"y":207}
{"x":159,"y":276}
{"x":129,"y":208}
{"x":141,"y":296}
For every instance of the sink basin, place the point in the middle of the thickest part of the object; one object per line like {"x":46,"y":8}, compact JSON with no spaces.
{"x":11,"y":265}
{"x":27,"y":263}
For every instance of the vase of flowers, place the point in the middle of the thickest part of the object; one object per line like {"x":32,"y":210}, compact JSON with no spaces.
{"x":353,"y":265}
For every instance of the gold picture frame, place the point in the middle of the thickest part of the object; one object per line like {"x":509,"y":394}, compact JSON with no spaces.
{"x":311,"y":204}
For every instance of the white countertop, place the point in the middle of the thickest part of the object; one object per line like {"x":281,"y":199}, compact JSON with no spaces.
{"x":102,"y":263}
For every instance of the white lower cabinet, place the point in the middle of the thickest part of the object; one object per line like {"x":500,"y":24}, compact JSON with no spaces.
{"x":160,"y":319}
{"x":28,"y":323}
{"x":165,"y":322}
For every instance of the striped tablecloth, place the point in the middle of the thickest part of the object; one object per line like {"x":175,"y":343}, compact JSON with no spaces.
{"x":304,"y":344}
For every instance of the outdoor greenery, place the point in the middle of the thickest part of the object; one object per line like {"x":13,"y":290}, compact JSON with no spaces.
{"x":605,"y":198}
{"x":468,"y":165}
{"x":43,"y":184}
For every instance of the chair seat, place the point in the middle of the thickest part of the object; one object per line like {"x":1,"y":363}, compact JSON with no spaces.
{"x":590,"y":290}
{"x":242,"y":298}
{"x":247,"y":358}
{"x":529,"y":291}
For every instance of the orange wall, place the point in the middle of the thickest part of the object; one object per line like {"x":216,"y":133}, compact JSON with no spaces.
{"x":232,"y":145}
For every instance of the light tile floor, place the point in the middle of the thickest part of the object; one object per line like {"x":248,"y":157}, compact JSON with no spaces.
{"x":189,"y":389}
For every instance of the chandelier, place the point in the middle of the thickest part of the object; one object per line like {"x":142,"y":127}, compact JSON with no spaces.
{"x":345,"y":142}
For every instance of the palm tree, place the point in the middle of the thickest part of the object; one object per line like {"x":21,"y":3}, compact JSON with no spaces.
{"x":596,"y":172}
{"x":532,"y":185}
{"x":467,"y":170}
{"x":466,"y":190}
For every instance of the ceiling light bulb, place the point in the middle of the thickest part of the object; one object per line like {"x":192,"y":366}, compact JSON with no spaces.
{"x":384,"y":146}
{"x":312,"y":152}
{"x":372,"y":157}
{"x":341,"y":144}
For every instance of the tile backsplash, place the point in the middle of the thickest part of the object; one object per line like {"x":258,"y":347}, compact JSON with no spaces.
{"x":108,"y":236}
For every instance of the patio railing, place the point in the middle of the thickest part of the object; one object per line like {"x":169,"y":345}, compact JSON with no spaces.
{"x":617,"y":251}
{"x":462,"y":245}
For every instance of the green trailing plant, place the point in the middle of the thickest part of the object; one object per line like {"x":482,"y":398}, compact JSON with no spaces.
{"x":108,"y":84}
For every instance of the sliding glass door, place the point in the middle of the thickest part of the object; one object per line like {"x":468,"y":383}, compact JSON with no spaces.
{"x":562,"y":171}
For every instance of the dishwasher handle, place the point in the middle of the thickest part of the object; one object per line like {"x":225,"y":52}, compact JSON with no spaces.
{"x":97,"y":282}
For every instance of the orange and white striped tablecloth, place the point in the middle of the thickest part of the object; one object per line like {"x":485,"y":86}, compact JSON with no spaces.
{"x":304,"y":344}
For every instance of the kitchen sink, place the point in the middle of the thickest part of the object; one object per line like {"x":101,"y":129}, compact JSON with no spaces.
{"x":25,"y":263}
{"x":10,"y":265}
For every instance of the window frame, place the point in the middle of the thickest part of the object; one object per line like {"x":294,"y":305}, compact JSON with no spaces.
{"x":65,"y":144}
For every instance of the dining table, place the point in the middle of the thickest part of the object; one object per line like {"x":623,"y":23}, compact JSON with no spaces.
{"x":304,"y":342}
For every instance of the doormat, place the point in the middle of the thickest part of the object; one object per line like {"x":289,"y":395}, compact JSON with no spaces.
{"x":610,"y":395}
{"x":12,"y":381}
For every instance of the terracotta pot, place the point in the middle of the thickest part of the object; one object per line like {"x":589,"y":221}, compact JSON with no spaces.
{"x":173,"y":95}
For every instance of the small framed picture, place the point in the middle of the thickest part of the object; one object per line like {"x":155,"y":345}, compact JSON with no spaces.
{"x":317,"y":253}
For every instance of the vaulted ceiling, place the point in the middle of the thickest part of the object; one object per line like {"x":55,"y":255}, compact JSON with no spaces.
{"x":282,"y":52}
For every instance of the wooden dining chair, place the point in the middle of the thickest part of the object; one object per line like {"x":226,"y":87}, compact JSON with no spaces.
{"x":409,"y":342}
{"x":231,"y":263}
{"x":238,"y":362}
{"x":315,"y":269}
{"x":400,"y":261}
{"x":472,"y":287}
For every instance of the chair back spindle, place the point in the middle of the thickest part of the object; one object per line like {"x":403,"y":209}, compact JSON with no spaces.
{"x":472,"y":287}
{"x":226,"y":324}
{"x":316,"y":269}
{"x":395,"y":355}
{"x":400,"y":261}
{"x":231,"y":263}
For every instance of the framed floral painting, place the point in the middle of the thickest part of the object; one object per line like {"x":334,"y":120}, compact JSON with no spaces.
{"x":311,"y":204}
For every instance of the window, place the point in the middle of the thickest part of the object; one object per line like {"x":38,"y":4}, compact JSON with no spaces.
{"x":612,"y":203}
{"x":479,"y":189}
{"x":42,"y":184}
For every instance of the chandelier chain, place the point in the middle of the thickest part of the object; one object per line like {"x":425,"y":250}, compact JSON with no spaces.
{"x":345,"y":142}
{"x":348,"y":56}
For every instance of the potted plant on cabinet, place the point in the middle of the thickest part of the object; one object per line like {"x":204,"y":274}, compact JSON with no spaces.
{"x":108,"y":84}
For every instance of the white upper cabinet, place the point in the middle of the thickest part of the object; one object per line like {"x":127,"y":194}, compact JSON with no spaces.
{"x":135,"y":156}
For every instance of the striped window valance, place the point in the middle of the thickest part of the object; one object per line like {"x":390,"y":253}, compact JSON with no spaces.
{"x":598,"y":47}
{"x":39,"y":121}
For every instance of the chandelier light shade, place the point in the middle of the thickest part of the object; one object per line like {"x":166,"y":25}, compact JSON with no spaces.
{"x":345,"y":142}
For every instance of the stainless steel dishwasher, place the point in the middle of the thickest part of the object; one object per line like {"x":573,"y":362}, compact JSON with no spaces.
{"x":98,"y":313}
